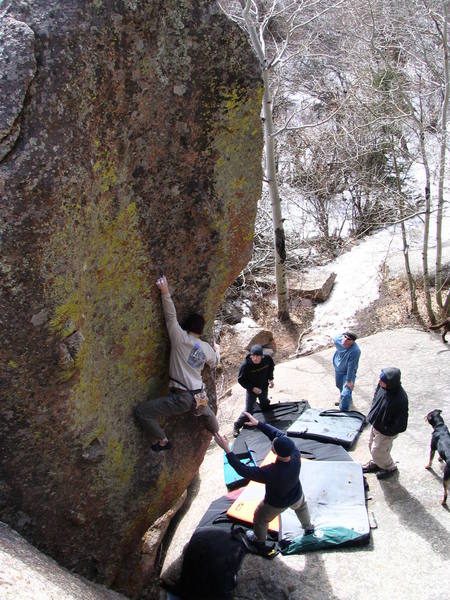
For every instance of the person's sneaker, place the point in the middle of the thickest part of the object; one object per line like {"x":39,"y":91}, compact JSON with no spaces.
{"x":310,"y":530}
{"x":384,"y":474}
{"x":159,"y":447}
{"x":250,"y":535}
{"x":370,"y":467}
{"x":236,"y":430}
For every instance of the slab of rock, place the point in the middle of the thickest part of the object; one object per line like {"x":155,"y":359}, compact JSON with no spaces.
{"x":26,"y":573}
{"x":18,"y":68}
{"x":130,"y":144}
{"x":400,"y":505}
{"x":316,"y":285}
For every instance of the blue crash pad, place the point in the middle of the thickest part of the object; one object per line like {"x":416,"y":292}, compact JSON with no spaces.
{"x":233,"y":479}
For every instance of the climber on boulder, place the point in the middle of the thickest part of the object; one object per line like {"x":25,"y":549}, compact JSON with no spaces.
{"x":188,"y":356}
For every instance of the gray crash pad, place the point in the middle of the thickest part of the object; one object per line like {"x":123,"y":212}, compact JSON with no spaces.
{"x":332,"y":426}
{"x":336,"y":499}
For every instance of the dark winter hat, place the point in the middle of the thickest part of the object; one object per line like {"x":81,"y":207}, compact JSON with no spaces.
{"x":350,"y":335}
{"x":194,"y":323}
{"x":256,"y":350}
{"x":283,"y":446}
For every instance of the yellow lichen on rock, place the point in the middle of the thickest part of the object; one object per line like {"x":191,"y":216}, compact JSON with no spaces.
{"x":105,"y":293}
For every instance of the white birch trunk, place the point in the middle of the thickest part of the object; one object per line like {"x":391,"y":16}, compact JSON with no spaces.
{"x":277,"y":219}
{"x":442,"y":157}
{"x":270,"y":170}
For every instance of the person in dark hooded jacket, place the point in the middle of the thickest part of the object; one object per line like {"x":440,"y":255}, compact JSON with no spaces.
{"x":256,"y":376}
{"x":388,"y":416}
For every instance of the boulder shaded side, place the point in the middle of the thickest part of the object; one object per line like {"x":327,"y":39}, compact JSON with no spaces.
{"x":131,"y":145}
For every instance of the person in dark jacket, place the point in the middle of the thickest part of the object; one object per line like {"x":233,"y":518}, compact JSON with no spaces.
{"x":256,"y":376}
{"x":281,"y":478}
{"x":388,"y":416}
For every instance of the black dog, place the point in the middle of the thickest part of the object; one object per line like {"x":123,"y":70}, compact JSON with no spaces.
{"x":440,"y":441}
{"x":445,"y":328}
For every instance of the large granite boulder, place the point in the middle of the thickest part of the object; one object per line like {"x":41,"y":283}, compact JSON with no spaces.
{"x":130,"y":143}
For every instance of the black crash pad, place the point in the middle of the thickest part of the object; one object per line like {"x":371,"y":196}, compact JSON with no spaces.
{"x":254,"y":441}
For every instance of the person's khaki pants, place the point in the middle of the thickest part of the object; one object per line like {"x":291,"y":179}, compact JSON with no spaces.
{"x":380,"y":447}
{"x":264,"y":513}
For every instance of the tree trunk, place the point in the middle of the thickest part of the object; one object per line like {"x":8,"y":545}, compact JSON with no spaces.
{"x":426,"y":228}
{"x":411,"y":281}
{"x":278,"y":228}
{"x":442,"y":155}
{"x":257,"y":43}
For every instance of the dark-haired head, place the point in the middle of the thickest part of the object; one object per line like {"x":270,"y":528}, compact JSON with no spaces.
{"x":194,"y":323}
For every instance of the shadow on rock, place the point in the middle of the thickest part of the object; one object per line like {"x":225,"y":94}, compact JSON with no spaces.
{"x":259,"y":579}
{"x":413,"y":515}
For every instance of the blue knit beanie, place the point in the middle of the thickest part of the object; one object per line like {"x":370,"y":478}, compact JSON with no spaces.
{"x":283,"y":446}
{"x":257,"y":350}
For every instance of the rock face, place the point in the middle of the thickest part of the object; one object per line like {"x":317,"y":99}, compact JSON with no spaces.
{"x":130,"y":144}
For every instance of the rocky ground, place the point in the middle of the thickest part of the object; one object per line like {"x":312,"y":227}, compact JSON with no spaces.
{"x":408,"y":552}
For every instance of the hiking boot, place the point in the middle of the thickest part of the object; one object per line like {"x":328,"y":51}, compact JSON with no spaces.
{"x":309,"y":531}
{"x":236,"y":430}
{"x":159,"y":447}
{"x":385,"y":474}
{"x":370,"y":467}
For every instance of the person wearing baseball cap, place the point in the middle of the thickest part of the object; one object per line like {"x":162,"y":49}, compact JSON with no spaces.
{"x":281,"y":478}
{"x":345,"y":362}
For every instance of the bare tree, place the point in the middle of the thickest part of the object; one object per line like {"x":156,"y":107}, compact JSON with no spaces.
{"x":270,"y":27}
{"x":352,"y":100}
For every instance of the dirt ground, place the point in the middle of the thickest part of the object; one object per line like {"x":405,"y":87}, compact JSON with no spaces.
{"x":390,"y":311}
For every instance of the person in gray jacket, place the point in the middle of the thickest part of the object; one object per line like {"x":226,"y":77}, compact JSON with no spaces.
{"x":188,"y":356}
{"x":388,"y":416}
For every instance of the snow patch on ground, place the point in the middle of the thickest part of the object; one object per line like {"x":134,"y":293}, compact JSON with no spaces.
{"x":358,"y":276}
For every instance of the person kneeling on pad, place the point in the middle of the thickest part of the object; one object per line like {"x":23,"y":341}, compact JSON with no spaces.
{"x":281,"y":478}
{"x":188,"y":355}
